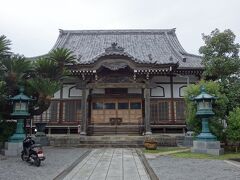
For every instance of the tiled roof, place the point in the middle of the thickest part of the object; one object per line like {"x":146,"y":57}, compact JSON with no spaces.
{"x":142,"y":46}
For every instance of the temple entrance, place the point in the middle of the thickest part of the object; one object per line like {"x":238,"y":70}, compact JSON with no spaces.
{"x":116,"y":115}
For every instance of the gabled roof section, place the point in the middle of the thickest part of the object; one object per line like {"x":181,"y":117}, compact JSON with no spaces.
{"x":142,"y":46}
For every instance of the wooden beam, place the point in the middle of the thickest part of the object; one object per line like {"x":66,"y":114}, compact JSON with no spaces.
{"x":172,"y":98}
{"x":115,"y":85}
{"x":84,"y":112}
{"x":61,"y":104}
{"x":147,"y":111}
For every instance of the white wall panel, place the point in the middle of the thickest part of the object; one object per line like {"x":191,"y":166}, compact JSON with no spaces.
{"x":134,"y":90}
{"x":74,"y":92}
{"x":166,"y":91}
{"x":176,"y":88}
{"x":98,"y":91}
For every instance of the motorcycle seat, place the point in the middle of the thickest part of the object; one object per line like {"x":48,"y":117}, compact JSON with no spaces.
{"x":36,"y":145}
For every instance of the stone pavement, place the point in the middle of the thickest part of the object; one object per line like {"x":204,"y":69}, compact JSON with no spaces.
{"x":109,"y":164}
{"x":57,"y":160}
{"x":171,"y":168}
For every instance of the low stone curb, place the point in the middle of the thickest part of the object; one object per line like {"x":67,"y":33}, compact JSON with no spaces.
{"x":2,"y":157}
{"x":233,"y":163}
{"x":148,"y":168}
{"x":154,"y":155}
{"x":172,"y":152}
{"x":65,"y":172}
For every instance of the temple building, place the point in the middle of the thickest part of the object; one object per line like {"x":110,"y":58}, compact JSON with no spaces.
{"x":123,"y":82}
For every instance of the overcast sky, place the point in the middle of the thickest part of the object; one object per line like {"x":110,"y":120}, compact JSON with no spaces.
{"x":32,"y":25}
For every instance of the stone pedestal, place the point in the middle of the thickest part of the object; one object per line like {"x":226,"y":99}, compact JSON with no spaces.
{"x":40,"y":129}
{"x":43,"y":140}
{"x":188,"y":141}
{"x":207,"y":147}
{"x":13,"y":148}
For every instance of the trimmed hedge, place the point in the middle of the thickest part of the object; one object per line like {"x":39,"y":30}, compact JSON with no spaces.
{"x":6,"y":130}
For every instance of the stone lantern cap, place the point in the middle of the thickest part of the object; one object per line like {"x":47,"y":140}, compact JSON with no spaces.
{"x":203,"y":95}
{"x":21,"y":96}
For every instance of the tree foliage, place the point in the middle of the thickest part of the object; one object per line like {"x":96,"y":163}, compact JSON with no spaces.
{"x":41,"y":77}
{"x":220,"y":54}
{"x":233,"y":130}
{"x":222,"y":64}
{"x":61,"y":57}
{"x":4,"y":46}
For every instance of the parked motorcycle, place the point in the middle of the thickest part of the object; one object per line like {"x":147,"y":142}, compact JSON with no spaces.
{"x":32,"y":153}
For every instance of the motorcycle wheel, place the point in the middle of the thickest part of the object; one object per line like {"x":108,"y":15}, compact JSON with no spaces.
{"x":23,"y":157}
{"x":37,"y":161}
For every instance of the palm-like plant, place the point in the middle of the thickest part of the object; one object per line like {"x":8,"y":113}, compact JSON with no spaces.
{"x":61,"y":57}
{"x":44,"y":89}
{"x":46,"y":68}
{"x":15,"y":70}
{"x":4,"y":46}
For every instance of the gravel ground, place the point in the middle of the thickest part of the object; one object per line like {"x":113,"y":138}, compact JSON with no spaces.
{"x":170,"y":168}
{"x":57,"y":159}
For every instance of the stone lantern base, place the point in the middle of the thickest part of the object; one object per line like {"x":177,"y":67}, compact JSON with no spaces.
{"x":13,"y":148}
{"x":207,"y":147}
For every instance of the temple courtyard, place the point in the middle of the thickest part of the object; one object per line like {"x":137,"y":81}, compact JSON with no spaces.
{"x":116,"y":163}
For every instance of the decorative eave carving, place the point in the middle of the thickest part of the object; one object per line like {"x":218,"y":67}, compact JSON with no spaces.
{"x":115,"y":66}
{"x":114,"y":48}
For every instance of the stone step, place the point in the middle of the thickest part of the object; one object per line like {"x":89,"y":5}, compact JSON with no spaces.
{"x":109,"y":141}
{"x":115,"y":145}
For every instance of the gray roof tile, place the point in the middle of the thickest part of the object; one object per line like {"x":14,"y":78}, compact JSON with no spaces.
{"x":143,"y":46}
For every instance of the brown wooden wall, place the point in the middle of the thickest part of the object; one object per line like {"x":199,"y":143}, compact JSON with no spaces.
{"x":160,"y":112}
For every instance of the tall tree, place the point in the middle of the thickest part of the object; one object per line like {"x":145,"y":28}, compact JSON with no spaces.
{"x":220,"y":55}
{"x":222,"y":63}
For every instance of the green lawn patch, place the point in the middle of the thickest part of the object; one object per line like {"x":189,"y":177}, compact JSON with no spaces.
{"x":170,"y":151}
{"x":164,"y":149}
{"x":226,"y":156}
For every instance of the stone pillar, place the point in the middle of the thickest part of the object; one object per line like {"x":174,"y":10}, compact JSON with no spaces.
{"x":84,"y":112}
{"x":147,"y":111}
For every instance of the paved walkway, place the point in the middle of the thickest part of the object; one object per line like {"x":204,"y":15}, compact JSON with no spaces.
{"x":110,"y":164}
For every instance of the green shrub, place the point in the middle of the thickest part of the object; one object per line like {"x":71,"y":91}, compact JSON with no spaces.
{"x":6,"y":130}
{"x":233,"y":128}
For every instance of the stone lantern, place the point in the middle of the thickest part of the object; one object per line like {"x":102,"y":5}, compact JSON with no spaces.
{"x":205,"y":142}
{"x":20,"y":112}
{"x":204,"y":111}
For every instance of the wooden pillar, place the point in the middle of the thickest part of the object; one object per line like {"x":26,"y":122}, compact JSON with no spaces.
{"x":84,"y":112}
{"x":61,"y":104}
{"x":172,"y":99}
{"x":147,"y":111}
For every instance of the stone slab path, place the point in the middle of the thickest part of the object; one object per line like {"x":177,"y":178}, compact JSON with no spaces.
{"x":109,"y":164}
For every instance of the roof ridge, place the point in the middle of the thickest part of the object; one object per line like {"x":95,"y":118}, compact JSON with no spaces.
{"x":118,"y":31}
{"x":176,"y":52}
{"x":193,"y":55}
